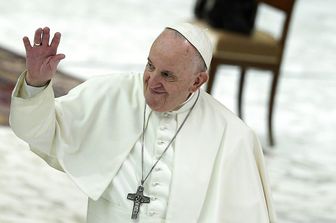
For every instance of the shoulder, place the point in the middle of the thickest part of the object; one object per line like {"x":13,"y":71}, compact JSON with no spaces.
{"x":237,"y":136}
{"x":112,"y":80}
{"x":112,"y":83}
{"x":234,"y":129}
{"x":219,"y":112}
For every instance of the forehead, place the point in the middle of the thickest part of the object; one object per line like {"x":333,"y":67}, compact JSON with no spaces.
{"x":172,"y":48}
{"x":172,"y":39}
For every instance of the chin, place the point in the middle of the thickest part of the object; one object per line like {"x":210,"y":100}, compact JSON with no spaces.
{"x":156,"y":107}
{"x":155,"y":103}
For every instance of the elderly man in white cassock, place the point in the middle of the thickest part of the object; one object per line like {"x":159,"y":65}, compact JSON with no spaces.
{"x":149,"y":147}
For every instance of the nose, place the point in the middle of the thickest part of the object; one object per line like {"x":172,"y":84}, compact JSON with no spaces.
{"x":154,"y":78}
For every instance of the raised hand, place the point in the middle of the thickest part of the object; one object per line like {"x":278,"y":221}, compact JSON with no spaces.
{"x":41,"y":57}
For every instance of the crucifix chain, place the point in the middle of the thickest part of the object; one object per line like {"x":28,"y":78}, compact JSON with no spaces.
{"x":139,"y":198}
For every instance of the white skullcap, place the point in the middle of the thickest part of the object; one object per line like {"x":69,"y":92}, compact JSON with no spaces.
{"x":197,"y":37}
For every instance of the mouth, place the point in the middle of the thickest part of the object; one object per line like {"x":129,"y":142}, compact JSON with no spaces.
{"x":157,"y":91}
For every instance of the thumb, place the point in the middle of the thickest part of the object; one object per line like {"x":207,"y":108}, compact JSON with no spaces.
{"x":54,"y":61}
{"x":58,"y":57}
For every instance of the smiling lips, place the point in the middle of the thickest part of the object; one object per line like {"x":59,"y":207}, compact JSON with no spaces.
{"x":157,"y":90}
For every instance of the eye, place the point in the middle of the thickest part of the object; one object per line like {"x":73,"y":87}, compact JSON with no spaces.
{"x":168,"y":76}
{"x":150,"y":66}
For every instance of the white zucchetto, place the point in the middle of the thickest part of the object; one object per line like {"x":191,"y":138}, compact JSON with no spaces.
{"x":197,"y":37}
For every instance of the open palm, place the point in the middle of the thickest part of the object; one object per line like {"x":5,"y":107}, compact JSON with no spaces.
{"x":41,"y":57}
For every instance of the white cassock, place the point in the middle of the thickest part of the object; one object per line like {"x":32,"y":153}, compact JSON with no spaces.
{"x":213,"y":172}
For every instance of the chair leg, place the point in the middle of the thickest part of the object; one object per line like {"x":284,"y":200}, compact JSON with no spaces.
{"x":240,"y":91}
{"x":271,"y":106}
{"x":212,"y":73}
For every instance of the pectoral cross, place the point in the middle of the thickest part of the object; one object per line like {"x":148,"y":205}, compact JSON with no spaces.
{"x":138,"y":198}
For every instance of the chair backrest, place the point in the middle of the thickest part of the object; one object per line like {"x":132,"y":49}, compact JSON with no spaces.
{"x":286,"y":6}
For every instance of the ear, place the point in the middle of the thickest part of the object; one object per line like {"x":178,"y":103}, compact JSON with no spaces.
{"x":201,"y":78}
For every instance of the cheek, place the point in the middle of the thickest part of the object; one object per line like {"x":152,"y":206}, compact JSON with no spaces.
{"x":146,"y":76}
{"x":182,"y":89}
{"x":175,"y":94}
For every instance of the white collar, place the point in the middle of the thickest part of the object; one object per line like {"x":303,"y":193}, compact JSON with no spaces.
{"x":186,"y":105}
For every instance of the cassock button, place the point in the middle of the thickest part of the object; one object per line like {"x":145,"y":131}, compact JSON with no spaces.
{"x":154,"y":184}
{"x":151,"y":213}
{"x":160,"y":142}
{"x":166,"y":115}
{"x":157,"y":168}
{"x":153,"y":198}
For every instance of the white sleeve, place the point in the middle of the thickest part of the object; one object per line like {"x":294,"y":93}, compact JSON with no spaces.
{"x":28,"y":91}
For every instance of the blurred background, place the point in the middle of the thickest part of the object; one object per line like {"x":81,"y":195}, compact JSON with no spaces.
{"x":112,"y":36}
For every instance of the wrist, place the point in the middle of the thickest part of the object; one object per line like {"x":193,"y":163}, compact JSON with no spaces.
{"x":35,"y":83}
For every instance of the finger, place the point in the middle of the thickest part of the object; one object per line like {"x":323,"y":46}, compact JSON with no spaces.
{"x":59,"y":57}
{"x":37,"y":37}
{"x":45,"y":36}
{"x":26,"y":43}
{"x":54,"y":61}
{"x":55,"y":41}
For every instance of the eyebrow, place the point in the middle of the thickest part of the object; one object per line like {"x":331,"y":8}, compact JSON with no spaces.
{"x":168,"y":72}
{"x":163,"y":71}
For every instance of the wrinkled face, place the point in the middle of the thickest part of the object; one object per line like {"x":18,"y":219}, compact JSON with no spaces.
{"x":171,"y":73}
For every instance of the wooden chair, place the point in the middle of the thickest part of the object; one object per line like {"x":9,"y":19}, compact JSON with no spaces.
{"x":260,"y":50}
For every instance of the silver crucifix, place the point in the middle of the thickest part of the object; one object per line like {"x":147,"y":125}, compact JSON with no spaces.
{"x":138,"y":198}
